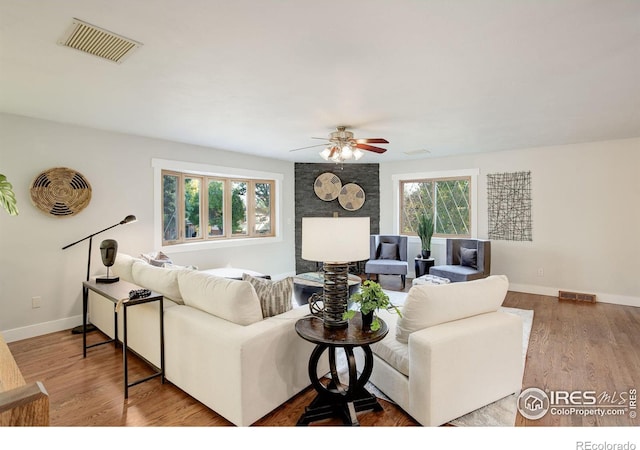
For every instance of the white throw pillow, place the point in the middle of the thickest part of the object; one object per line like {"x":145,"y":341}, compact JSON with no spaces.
{"x":156,"y":258}
{"x":428,"y":305}
{"x":123,"y":265}
{"x":232,"y":300}
{"x":158,"y":279}
{"x":275,"y":296}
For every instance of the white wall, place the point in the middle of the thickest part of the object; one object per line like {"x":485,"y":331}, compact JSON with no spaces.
{"x":585,"y":213}
{"x":586,"y":219}
{"x":118,"y":167}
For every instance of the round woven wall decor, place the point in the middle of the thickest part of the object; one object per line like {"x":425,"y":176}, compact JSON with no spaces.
{"x":61,"y":192}
{"x":351,"y":197}
{"x":327,"y":186}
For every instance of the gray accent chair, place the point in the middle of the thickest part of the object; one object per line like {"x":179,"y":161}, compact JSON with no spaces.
{"x":467,"y":259}
{"x":388,"y":256}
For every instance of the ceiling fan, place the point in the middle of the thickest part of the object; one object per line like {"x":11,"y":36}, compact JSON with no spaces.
{"x":342,"y":145}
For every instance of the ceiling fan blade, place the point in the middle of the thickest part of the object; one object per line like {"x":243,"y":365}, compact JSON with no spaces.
{"x":371,"y":148}
{"x":372,"y":141}
{"x":302,"y":148}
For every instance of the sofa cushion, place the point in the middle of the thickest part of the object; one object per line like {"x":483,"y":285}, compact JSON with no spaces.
{"x":429,"y":305}
{"x":232,"y":300}
{"x":389,"y":349}
{"x":123,"y":266}
{"x":158,"y":279}
{"x":275,"y":296}
{"x":233,"y":272}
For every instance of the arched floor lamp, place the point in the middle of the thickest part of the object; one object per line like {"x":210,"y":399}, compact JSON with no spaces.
{"x":129,"y":219}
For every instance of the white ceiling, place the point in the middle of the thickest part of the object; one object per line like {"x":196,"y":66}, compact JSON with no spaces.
{"x":265,"y":76}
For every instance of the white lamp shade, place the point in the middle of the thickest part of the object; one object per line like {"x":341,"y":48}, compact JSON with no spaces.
{"x":335,"y":239}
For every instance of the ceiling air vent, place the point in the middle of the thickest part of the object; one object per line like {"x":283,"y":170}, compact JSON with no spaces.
{"x":98,"y":42}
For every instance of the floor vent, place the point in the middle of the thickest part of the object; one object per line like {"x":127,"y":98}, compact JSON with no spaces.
{"x":576,"y":296}
{"x":98,"y":42}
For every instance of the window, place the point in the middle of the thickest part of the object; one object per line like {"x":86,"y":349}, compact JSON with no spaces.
{"x":447,"y":200}
{"x":201,"y":207}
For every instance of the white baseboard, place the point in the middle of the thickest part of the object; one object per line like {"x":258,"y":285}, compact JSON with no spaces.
{"x":18,"y":334}
{"x":553,"y":292}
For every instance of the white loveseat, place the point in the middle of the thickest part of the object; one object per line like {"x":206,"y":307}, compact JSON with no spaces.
{"x":451,"y":352}
{"x":218,"y":347}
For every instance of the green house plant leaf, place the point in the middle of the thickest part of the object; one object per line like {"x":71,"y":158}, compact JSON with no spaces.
{"x":425,"y":230}
{"x":371,"y":298}
{"x":7,"y":196}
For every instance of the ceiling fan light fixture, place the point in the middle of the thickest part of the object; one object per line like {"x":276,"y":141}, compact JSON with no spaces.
{"x":342,"y":146}
{"x":326,"y":153}
{"x":346,"y":151}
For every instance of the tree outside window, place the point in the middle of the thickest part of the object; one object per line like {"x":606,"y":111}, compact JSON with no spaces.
{"x":447,"y":200}
{"x":215,"y":207}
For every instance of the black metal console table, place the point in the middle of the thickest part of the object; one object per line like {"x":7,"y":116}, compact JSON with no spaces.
{"x":118,"y":293}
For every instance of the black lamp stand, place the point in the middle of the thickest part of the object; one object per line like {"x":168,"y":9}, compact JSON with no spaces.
{"x":128,"y":219}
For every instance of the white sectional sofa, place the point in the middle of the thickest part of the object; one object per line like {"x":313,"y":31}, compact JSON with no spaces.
{"x":218,"y":347}
{"x":451,"y":352}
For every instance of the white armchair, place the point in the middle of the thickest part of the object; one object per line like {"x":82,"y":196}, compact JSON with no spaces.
{"x":452,"y":351}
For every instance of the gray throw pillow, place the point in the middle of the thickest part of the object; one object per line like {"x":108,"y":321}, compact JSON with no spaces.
{"x":275,"y":296}
{"x":388,"y":251}
{"x":469,"y":257}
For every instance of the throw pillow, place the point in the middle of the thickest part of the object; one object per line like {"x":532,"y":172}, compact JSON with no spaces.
{"x":175,"y":266}
{"x":469,"y":257}
{"x":388,"y":251}
{"x":275,"y":296}
{"x":232,"y":300}
{"x":156,"y":258}
{"x":163,"y":281}
{"x":432,"y":304}
{"x":123,"y":266}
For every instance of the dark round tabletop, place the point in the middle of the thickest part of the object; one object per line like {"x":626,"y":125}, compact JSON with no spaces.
{"x":312,"y":329}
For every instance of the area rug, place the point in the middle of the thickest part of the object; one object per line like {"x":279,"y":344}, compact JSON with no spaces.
{"x":501,"y":413}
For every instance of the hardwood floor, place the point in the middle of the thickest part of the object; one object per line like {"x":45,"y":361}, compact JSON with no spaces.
{"x":573,"y":346}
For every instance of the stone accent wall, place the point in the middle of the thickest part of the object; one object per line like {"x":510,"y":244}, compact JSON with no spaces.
{"x":309,"y":205}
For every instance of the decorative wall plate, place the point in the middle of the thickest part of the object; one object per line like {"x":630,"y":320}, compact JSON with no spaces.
{"x":351,"y":197}
{"x":60,"y":192}
{"x":327,"y":186}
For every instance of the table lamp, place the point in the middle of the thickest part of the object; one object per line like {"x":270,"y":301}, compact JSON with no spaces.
{"x":335,"y":241}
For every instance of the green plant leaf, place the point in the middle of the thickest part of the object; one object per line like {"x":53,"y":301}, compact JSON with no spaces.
{"x":371,"y":298}
{"x":425,"y":230}
{"x":7,"y":197}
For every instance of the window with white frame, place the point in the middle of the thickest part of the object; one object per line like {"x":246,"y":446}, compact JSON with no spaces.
{"x":207,"y":206}
{"x":446,"y":197}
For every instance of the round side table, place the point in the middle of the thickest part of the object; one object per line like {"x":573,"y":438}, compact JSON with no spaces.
{"x":336,"y":399}
{"x":422,"y":266}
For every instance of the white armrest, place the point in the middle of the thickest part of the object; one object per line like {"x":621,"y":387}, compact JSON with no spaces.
{"x":460,"y":366}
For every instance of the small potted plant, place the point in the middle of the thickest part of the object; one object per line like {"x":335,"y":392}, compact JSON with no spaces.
{"x":369,"y":299}
{"x":425,"y":232}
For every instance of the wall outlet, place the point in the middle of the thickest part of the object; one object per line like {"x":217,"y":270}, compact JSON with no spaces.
{"x":540,"y":272}
{"x":36,"y":302}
